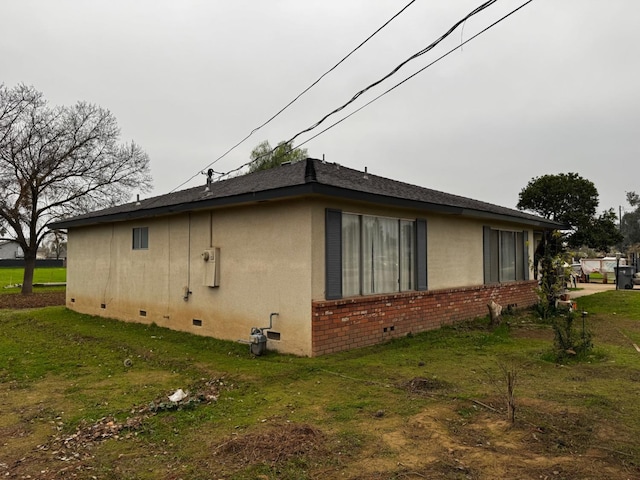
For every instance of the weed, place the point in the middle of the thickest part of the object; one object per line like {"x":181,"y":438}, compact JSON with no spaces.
{"x":418,"y":383}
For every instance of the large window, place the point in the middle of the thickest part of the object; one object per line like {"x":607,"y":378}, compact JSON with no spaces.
{"x":505,"y":256}
{"x":140,"y":238}
{"x":370,"y":254}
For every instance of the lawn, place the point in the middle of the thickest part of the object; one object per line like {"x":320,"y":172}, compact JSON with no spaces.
{"x":12,"y":276}
{"x":87,"y":397}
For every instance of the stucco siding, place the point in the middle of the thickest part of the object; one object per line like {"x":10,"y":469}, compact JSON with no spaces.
{"x":271,"y":260}
{"x":264,"y":267}
{"x":454,"y":252}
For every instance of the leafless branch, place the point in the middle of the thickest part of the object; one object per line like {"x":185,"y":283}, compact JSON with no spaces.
{"x":59,"y":162}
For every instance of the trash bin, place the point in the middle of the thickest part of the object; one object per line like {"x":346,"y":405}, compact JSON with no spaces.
{"x":624,"y":277}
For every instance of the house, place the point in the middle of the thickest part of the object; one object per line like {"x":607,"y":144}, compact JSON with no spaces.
{"x":344,"y":258}
{"x":10,"y":250}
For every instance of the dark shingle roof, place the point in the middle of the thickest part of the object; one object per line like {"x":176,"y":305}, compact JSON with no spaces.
{"x":309,"y":177}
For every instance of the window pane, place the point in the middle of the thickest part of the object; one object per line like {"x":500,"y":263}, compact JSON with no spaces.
{"x":136,"y":238}
{"x":407,"y":255}
{"x":144,"y":237}
{"x":140,"y":238}
{"x":350,"y":255}
{"x":494,"y":272}
{"x":507,"y":256}
{"x":520,"y":262}
{"x":380,"y":253}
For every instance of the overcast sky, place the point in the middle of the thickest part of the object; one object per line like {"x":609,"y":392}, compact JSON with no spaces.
{"x":555,"y":88}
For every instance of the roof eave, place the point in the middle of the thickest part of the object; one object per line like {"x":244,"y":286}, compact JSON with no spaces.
{"x":201,"y":204}
{"x":310,"y":188}
{"x":540,"y":223}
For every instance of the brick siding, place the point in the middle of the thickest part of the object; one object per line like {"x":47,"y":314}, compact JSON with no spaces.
{"x":361,"y":321}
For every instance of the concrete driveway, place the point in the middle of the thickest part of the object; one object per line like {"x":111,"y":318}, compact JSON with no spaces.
{"x":591,"y":288}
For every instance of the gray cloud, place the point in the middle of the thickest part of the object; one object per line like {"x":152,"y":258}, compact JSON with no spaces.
{"x":552,"y":89}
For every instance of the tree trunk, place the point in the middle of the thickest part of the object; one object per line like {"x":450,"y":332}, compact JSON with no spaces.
{"x":495,"y":313}
{"x":29,"y":267}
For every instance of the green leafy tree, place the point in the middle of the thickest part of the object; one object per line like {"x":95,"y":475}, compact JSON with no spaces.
{"x":570,"y":199}
{"x":57,"y":162}
{"x":566,"y":198}
{"x":599,"y":233}
{"x":630,"y":222}
{"x":264,"y":157}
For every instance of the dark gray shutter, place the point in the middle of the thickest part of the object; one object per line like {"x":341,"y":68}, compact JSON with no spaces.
{"x":333,"y":254}
{"x":421,"y":254}
{"x":486,"y":253}
{"x":525,"y":246}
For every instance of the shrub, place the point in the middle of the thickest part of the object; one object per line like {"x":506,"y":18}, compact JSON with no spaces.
{"x":568,"y":343}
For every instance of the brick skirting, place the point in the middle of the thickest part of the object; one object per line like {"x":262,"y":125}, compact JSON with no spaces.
{"x":362,"y":321}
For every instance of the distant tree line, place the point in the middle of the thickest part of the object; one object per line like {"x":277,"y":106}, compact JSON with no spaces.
{"x":630,"y":223}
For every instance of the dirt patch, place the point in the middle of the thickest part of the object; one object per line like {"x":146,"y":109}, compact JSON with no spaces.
{"x":75,"y":452}
{"x":424,"y":386}
{"x":439,"y":443}
{"x":15,"y":301}
{"x":277,"y":445}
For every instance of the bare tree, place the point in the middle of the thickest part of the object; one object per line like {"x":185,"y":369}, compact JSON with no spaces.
{"x":56,"y":244}
{"x":56,"y":162}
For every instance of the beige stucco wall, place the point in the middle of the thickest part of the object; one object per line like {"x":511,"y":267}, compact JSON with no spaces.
{"x":455,"y":250}
{"x":264,"y":262}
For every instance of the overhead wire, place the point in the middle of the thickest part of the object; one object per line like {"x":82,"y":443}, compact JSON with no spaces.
{"x":417,"y":72}
{"x":430,"y":47}
{"x":296,"y":98}
{"x":421,"y":52}
{"x":396,"y":69}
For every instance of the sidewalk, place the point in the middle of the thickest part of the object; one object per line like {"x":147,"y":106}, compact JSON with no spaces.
{"x":591,"y":288}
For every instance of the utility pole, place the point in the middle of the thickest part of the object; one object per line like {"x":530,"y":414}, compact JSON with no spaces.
{"x":620,"y":217}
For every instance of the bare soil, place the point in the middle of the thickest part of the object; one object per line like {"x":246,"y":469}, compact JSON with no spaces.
{"x":14,"y":301}
{"x":548,"y":442}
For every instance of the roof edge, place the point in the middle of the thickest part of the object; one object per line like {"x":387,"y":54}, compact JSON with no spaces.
{"x":310,"y":188}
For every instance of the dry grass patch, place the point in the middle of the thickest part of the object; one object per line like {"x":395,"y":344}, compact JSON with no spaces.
{"x":424,"y":386}
{"x":277,"y":444}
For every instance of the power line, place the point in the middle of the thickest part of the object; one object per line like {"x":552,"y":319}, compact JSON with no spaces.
{"x":395,"y":70}
{"x":298,"y":96}
{"x":430,"y":47}
{"x":332,"y":68}
{"x":416,"y":73}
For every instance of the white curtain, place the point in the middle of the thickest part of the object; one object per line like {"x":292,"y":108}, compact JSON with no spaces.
{"x":350,"y":255}
{"x":507,"y":256}
{"x":407,"y":252}
{"x":380,"y":255}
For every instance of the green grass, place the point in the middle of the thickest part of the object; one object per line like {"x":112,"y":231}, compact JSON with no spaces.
{"x":65,"y":369}
{"x":13,"y":276}
{"x":614,"y":302}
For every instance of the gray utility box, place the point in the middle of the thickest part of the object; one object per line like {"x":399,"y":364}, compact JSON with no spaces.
{"x":258,"y":342}
{"x":624,"y":277}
